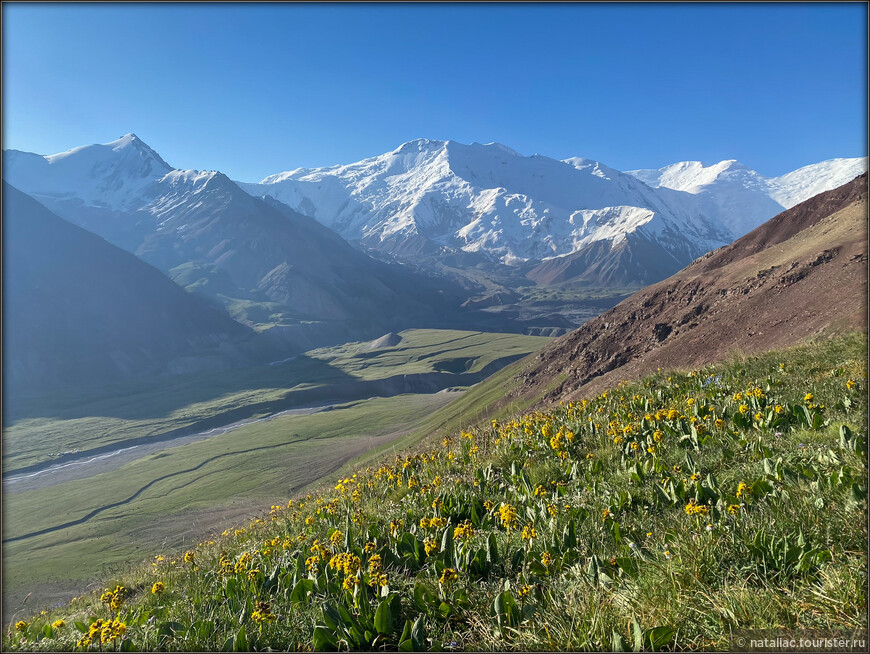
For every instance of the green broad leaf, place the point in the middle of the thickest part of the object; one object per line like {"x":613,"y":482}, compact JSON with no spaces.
{"x":657,"y":638}
{"x":127,"y":646}
{"x":406,"y":632}
{"x":637,"y":635}
{"x":228,"y":644}
{"x":232,"y":588}
{"x":445,"y":609}
{"x":384,"y":618}
{"x":475,"y":518}
{"x":628,"y":565}
{"x":203,"y":628}
{"x":506,"y":610}
{"x":614,"y":530}
{"x":241,"y":644}
{"x":170,"y":629}
{"x":569,"y":535}
{"x":301,"y":591}
{"x":447,"y":544}
{"x":406,"y":645}
{"x":845,"y":436}
{"x":617,"y":642}
{"x":537,"y":568}
{"x":361,"y":601}
{"x":323,"y":640}
{"x":418,"y":634}
{"x":492,"y":549}
{"x":331,"y":616}
{"x":424,"y":599}
{"x":593,"y":568}
{"x":81,"y":626}
{"x":348,"y":621}
{"x":662,"y":495}
{"x":46,"y":629}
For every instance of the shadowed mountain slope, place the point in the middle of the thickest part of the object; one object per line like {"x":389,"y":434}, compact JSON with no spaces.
{"x":264,"y":262}
{"x":802,"y":273}
{"x":77,"y":309}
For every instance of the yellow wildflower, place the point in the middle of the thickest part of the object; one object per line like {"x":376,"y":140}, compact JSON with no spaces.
{"x":448,"y":576}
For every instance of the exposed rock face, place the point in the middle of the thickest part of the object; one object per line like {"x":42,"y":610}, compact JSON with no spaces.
{"x":801,"y":273}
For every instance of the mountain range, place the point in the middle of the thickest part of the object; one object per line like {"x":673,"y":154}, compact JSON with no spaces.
{"x":432,"y":234}
{"x":439,"y":198}
{"x":263,"y":262}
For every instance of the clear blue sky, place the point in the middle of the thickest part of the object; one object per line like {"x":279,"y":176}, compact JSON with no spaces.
{"x":258,"y":89}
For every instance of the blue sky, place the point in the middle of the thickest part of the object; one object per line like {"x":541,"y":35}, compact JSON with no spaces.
{"x":257,"y":89}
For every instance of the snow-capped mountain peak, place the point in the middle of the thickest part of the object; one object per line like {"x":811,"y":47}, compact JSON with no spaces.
{"x":110,"y":175}
{"x":795,"y":187}
{"x":487,"y":199}
{"x":695,"y":177}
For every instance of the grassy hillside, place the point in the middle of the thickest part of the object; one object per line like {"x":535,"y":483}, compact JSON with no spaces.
{"x":664,"y":513}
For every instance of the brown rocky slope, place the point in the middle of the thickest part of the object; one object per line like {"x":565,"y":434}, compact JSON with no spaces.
{"x":802,"y":273}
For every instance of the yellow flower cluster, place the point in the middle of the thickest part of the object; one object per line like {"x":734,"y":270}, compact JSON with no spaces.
{"x":508,"y":516}
{"x":243,"y":562}
{"x":263,"y":613}
{"x":114,"y":598}
{"x":529,"y":532}
{"x":435,"y":522}
{"x":464,"y":531}
{"x":693,"y":508}
{"x":348,"y":562}
{"x":157,"y":588}
{"x":448,"y":576}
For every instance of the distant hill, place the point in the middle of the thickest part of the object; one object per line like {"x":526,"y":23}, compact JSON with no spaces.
{"x":802,"y":273}
{"x":77,"y":309}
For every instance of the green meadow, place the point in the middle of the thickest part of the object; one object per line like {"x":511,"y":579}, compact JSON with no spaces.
{"x":63,"y":535}
{"x":39,"y":428}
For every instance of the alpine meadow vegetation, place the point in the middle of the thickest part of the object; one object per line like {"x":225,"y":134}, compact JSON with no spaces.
{"x":661,"y":514}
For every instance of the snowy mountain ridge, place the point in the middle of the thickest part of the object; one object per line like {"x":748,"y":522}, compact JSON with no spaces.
{"x":433,"y":198}
{"x":428,"y":195}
